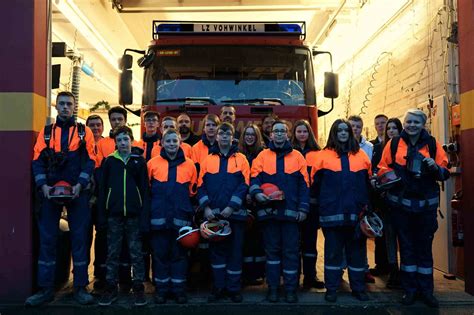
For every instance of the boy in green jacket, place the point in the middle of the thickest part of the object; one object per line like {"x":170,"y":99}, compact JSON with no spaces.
{"x":123,"y":200}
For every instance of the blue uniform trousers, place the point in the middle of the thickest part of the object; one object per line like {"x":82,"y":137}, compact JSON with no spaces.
{"x":226,"y":258}
{"x":415,"y":236}
{"x":336,"y":241}
{"x":79,"y":217}
{"x":281,"y":243}
{"x":170,"y":261}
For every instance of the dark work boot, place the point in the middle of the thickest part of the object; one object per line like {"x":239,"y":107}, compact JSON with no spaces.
{"x":160,"y":297}
{"x":369,"y":278}
{"x":109,"y":296}
{"x":393,"y":281}
{"x":291,"y":297}
{"x":272,"y":295}
{"x":216,"y":295}
{"x":44,"y":295}
{"x":408,"y":298}
{"x":235,"y":297}
{"x":331,"y":296}
{"x":139,"y":294}
{"x":82,"y":296}
{"x":181,"y":298}
{"x":313,"y":283}
{"x":360,"y":295}
{"x":430,"y":300}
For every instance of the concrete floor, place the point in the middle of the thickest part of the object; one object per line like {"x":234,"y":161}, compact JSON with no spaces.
{"x":453,"y":300}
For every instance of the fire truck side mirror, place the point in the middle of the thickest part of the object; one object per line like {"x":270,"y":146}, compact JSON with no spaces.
{"x":125,"y":87}
{"x":125,"y":62}
{"x":331,"y":85}
{"x":146,"y":60}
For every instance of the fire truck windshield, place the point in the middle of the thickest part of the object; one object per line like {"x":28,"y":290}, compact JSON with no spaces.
{"x":244,"y":75}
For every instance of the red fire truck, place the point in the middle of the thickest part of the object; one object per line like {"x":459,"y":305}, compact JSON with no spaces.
{"x":259,"y":68}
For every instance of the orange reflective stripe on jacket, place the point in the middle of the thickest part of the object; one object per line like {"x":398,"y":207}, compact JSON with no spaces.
{"x":185,"y":172}
{"x":266,"y":162}
{"x":199,"y":152}
{"x":400,"y":157}
{"x":142,"y":144}
{"x":55,"y":141}
{"x":329,"y":159}
{"x":311,"y":157}
{"x":236,"y":163}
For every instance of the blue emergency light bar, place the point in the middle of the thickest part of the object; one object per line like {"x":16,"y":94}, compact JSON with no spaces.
{"x":229,"y":28}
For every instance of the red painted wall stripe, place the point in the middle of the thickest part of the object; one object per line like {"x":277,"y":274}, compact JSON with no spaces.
{"x":40,"y":47}
{"x":23,"y":52}
{"x":466,"y":70}
{"x":16,"y":264}
{"x":466,"y":44}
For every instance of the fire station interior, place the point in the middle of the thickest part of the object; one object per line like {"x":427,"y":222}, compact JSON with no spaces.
{"x":390,"y":56}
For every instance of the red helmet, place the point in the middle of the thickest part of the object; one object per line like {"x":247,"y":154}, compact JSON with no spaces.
{"x":371,"y":225}
{"x":61,"y":192}
{"x":215,"y":230}
{"x":188,"y":237}
{"x":272,"y":191}
{"x":387,"y":180}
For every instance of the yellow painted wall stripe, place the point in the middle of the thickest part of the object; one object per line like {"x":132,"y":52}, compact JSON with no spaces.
{"x":467,"y":110}
{"x":22,"y":112}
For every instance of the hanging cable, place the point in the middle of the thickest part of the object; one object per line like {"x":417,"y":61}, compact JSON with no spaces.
{"x":349,"y":89}
{"x":369,"y":92}
{"x":68,"y":85}
{"x":386,"y":86}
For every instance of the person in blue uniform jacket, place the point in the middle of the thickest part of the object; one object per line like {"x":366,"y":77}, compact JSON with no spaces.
{"x":286,"y":168}
{"x":340,"y":183}
{"x":222,"y":187}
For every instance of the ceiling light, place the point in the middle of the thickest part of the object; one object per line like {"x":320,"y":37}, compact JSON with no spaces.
{"x":70,"y":10}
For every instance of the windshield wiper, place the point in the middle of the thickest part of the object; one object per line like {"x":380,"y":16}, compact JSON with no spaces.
{"x":255,"y":100}
{"x":186,"y":99}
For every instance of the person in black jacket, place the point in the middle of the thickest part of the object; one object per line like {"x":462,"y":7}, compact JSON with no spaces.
{"x":386,"y":246}
{"x":123,"y":200}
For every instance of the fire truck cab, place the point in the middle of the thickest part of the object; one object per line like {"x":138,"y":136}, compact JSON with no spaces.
{"x":197,"y":67}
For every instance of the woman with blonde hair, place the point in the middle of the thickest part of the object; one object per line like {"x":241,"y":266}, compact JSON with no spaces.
{"x":420,"y":161}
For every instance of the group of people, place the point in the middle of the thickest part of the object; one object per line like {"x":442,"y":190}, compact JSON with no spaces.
{"x":140,"y":194}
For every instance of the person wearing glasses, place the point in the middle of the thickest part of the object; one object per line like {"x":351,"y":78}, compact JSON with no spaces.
{"x":150,"y":137}
{"x":251,"y":144}
{"x":222,"y":186}
{"x":286,"y":168}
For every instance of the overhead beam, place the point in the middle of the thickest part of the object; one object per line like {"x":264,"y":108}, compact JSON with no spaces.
{"x":189,"y":6}
{"x":328,"y":25}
